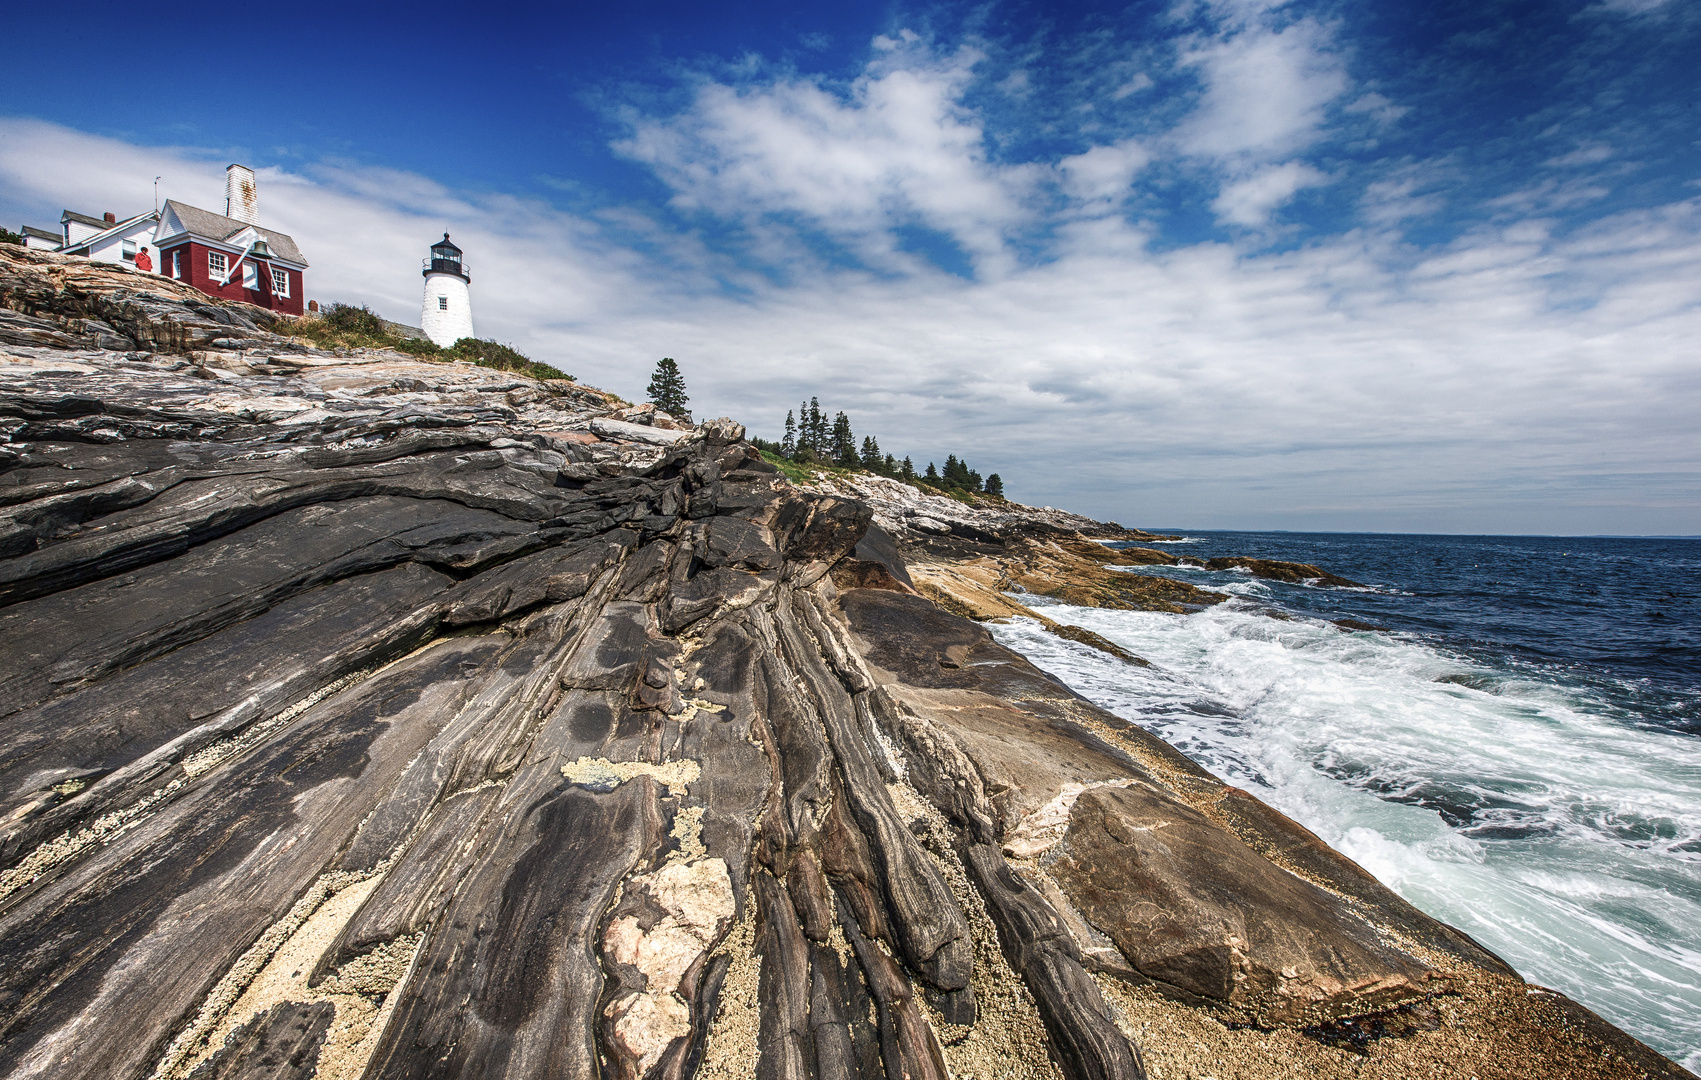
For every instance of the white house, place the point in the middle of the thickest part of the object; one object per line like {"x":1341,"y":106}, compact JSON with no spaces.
{"x":41,"y":239}
{"x":113,"y":241}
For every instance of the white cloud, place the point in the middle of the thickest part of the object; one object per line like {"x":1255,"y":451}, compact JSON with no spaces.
{"x":1104,"y":174}
{"x":896,"y":145}
{"x":1140,"y":81}
{"x":1251,"y":200}
{"x":1550,"y":196}
{"x":1406,"y":193}
{"x":1630,"y":7}
{"x":1586,"y":154}
{"x":1378,"y":107}
{"x":1515,"y":380}
{"x":1265,"y":90}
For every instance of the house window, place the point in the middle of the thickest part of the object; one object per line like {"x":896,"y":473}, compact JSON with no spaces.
{"x":442,"y":303}
{"x":250,"y":275}
{"x":177,"y":264}
{"x":280,"y":282}
{"x":216,"y":263}
{"x":128,"y":249}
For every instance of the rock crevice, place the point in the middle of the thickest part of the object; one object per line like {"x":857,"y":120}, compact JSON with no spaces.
{"x":371,"y":717}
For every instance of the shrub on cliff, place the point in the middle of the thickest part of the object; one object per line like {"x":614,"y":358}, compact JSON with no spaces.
{"x":348,"y":319}
{"x":491,"y":354}
{"x":7,"y":236}
{"x":345,"y":326}
{"x":418,"y":346}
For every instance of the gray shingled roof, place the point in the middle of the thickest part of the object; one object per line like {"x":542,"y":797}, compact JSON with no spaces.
{"x":218,"y":227}
{"x":72,"y":215}
{"x":43,"y":234}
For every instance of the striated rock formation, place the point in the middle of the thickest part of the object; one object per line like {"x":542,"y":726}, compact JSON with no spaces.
{"x":907,"y":513}
{"x":969,"y":557}
{"x":368,"y":717}
{"x":1276,"y":570}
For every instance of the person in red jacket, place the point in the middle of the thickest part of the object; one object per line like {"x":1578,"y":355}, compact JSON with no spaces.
{"x":143,"y":262}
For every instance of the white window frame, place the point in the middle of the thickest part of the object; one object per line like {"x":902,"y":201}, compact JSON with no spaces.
{"x":127,"y":250}
{"x":280,"y":282}
{"x":250,"y":275}
{"x":177,"y":264}
{"x":217,"y":263}
{"x":442,"y":303}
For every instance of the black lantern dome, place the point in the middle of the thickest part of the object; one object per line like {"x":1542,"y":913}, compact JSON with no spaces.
{"x":446,"y":259}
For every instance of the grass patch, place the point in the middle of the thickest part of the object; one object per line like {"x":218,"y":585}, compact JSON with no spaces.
{"x":490,"y":354}
{"x":344,"y":326}
{"x":791,"y":470}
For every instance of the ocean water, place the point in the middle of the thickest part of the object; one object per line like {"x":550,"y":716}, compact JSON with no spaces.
{"x":1518,"y":753}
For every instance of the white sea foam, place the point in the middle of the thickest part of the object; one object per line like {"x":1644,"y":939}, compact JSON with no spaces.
{"x":1571,"y":841}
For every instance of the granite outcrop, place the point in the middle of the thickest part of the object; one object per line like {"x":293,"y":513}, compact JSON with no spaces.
{"x":369,"y":717}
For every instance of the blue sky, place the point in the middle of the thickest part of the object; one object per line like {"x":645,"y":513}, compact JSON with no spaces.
{"x":1430,"y":267}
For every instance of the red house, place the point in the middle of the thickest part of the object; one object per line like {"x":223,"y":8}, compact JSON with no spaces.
{"x":230,"y":258}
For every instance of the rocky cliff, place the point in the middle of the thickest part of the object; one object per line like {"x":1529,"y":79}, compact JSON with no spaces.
{"x":371,"y":717}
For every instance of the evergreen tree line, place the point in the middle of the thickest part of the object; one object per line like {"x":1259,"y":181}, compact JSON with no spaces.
{"x":810,"y":438}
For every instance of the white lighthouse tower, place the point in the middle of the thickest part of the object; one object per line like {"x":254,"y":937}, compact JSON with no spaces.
{"x":446,"y":315}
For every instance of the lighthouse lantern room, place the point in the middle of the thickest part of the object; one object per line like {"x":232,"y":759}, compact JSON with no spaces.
{"x":446,"y":313}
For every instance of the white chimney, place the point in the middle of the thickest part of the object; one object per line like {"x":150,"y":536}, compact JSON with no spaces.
{"x":241,"y":196}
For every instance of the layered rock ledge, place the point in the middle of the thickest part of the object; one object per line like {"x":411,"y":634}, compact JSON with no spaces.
{"x":370,"y":717}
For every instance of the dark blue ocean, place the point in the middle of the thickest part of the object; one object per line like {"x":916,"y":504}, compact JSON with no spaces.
{"x":1516,"y":748}
{"x":1620,"y":614}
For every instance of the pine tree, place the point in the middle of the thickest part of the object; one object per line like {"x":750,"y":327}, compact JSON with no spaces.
{"x":906,"y":471}
{"x":788,"y":444}
{"x":871,"y":456}
{"x":932,"y":474}
{"x":817,"y":428}
{"x":995,"y":486}
{"x":889,"y":467}
{"x":955,"y":474}
{"x":667,"y":388}
{"x":843,"y":444}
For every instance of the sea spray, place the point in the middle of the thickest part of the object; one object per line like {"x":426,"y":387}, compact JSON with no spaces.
{"x":1517,"y":800}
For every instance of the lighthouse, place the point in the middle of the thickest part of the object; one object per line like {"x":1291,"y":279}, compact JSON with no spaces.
{"x":446,"y":315}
